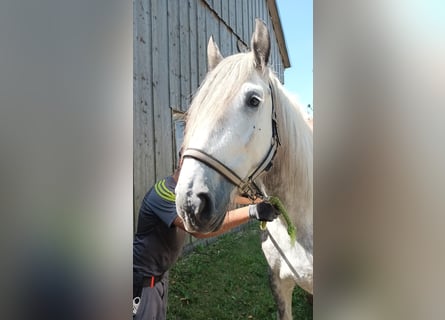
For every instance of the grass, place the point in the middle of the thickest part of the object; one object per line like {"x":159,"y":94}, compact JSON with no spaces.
{"x":227,"y":280}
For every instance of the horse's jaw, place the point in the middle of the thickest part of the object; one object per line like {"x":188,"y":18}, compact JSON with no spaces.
{"x":202,"y":197}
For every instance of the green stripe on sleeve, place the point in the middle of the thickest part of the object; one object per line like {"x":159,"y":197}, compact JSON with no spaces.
{"x":167,"y":191}
{"x":163,"y":192}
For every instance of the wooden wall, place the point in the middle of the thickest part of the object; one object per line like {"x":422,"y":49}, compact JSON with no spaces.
{"x":170,"y":61}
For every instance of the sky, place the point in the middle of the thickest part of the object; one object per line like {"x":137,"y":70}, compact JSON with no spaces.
{"x":297,"y":23}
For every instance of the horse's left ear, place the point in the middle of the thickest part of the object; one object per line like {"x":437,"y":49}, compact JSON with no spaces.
{"x":261,"y":44}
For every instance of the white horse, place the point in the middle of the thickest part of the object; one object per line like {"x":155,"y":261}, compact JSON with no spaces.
{"x":239,"y":120}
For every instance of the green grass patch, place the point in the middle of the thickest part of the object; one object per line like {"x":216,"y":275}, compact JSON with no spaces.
{"x":227,"y":280}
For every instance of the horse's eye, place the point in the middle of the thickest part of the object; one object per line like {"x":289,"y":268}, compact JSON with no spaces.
{"x":254,"y":101}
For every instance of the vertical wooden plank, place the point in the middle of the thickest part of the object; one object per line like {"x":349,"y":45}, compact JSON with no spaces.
{"x":239,"y":19}
{"x":231,"y":12}
{"x":254,"y":15}
{"x":202,"y":42}
{"x":232,"y":23}
{"x":215,"y":27}
{"x":184,"y":27}
{"x":273,"y":50}
{"x":277,"y":58}
{"x":232,"y":42}
{"x":268,"y":19}
{"x":221,"y":44}
{"x":162,"y":111}
{"x":174,"y":53}
{"x":217,"y":7}
{"x":194,"y":80}
{"x":266,"y":15}
{"x":259,"y":9}
{"x":276,"y":66}
{"x":245,"y":35}
{"x":212,"y":27}
{"x":280,"y":64}
{"x":225,"y":11}
{"x":224,"y":45}
{"x":208,"y":26}
{"x":250,"y":20}
{"x":265,"y":11}
{"x":143,"y":138}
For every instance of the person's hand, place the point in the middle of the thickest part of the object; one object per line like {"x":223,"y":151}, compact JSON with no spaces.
{"x":263,"y":211}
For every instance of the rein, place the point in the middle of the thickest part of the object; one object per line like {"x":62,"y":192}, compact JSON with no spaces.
{"x":246,"y":186}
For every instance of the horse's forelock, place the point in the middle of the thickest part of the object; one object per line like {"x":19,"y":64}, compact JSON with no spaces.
{"x":218,"y":88}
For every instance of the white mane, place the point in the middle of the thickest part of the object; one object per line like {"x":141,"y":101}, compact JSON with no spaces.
{"x":291,"y":176}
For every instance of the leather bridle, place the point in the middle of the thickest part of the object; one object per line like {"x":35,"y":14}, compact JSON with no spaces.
{"x":247,"y":186}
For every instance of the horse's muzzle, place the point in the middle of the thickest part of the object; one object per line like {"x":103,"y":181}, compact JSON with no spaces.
{"x":201,"y":197}
{"x":196,"y":212}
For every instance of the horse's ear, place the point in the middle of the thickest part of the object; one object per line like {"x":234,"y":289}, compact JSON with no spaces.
{"x":261,"y":44}
{"x":213,"y":55}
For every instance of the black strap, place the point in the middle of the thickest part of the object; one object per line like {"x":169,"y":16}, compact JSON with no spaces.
{"x":140,"y":281}
{"x":137,"y":284}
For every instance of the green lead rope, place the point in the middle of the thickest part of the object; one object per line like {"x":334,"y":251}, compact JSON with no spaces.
{"x":291,"y":230}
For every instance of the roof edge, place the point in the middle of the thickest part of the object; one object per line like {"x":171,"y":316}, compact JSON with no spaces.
{"x":276,"y":23}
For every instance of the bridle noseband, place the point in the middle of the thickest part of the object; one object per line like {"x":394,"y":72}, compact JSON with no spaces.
{"x":246,"y":186}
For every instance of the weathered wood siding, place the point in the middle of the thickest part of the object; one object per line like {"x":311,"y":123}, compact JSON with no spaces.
{"x":170,"y":61}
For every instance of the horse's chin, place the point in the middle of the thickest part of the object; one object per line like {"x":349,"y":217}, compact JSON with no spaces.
{"x":193,"y":226}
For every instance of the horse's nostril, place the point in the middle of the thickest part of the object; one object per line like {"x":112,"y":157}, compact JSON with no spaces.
{"x":205,"y":205}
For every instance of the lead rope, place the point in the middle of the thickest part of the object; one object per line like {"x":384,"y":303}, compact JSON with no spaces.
{"x":291,"y":229}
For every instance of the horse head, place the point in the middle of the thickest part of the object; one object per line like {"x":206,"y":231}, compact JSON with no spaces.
{"x":230,"y":122}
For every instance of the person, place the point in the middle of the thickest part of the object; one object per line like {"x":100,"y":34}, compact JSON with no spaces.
{"x":159,"y":239}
